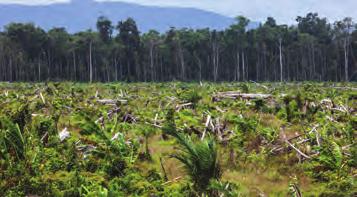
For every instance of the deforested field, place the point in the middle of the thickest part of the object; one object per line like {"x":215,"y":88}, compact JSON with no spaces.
{"x":178,"y":139}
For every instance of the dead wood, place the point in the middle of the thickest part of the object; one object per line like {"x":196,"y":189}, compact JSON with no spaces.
{"x":183,"y":106}
{"x":111,"y":101}
{"x":206,"y":127}
{"x":236,"y":95}
{"x":154,"y":125}
{"x":297,"y":150}
{"x":344,"y":88}
{"x":129,"y":118}
{"x":173,"y":181}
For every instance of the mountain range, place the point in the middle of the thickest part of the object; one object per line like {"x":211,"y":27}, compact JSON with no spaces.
{"x":79,"y":15}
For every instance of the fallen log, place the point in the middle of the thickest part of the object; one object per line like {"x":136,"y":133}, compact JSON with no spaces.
{"x":182,"y":106}
{"x":110,"y":101}
{"x":281,"y":148}
{"x":173,"y":181}
{"x":236,"y":95}
{"x":297,"y":150}
{"x":64,"y":134}
{"x":347,"y":147}
{"x":155,"y":119}
{"x":344,"y":88}
{"x":218,"y":130}
{"x":206,"y":127}
{"x":129,"y":118}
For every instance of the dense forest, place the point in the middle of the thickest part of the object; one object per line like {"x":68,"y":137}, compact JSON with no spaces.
{"x":313,"y":49}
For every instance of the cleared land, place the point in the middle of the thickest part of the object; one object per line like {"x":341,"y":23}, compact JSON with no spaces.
{"x":119,"y":139}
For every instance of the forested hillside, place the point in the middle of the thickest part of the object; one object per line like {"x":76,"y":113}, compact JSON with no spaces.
{"x":313,"y":49}
{"x":66,"y":14}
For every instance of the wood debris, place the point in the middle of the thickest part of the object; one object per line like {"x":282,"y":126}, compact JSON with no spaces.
{"x":64,"y":134}
{"x":239,"y":95}
{"x":183,"y":106}
{"x":111,"y":101}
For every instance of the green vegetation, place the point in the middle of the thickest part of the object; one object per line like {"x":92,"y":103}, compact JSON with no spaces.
{"x":178,"y":139}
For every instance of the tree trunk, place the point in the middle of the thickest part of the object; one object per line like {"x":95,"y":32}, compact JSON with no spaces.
{"x":152,"y":61}
{"x":39,"y":68}
{"x":90,"y":63}
{"x":237,"y":67}
{"x":243,"y":66}
{"x":346,"y":59}
{"x":49,"y":65}
{"x":199,"y":66}
{"x":182,"y":62}
{"x":281,"y":60}
{"x":108,"y":75}
{"x":11,"y":72}
{"x":116,"y":69}
{"x":74,"y":65}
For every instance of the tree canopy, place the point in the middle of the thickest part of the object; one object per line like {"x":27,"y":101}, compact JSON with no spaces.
{"x":314,"y":49}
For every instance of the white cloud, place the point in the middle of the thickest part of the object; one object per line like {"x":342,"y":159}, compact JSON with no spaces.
{"x":285,"y":11}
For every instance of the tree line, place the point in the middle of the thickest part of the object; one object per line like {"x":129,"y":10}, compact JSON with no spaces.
{"x":313,"y":49}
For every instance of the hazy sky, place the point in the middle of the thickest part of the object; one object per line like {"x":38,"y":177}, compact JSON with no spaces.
{"x":285,"y":11}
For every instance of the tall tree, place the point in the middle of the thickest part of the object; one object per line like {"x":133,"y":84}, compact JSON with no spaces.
{"x":343,"y":32}
{"x":130,"y":38}
{"x":313,"y":49}
{"x":31,"y":40}
{"x":105,"y":28}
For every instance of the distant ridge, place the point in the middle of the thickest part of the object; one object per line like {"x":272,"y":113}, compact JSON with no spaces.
{"x":80,"y":15}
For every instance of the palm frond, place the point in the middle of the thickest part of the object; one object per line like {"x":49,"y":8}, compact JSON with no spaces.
{"x":11,"y":138}
{"x":89,"y":126}
{"x":199,"y":158}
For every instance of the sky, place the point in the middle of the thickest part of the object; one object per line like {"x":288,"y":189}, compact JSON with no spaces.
{"x":284,"y":11}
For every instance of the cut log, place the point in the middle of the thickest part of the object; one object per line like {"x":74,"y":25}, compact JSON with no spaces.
{"x":236,"y":95}
{"x":218,"y":130}
{"x":347,"y":147}
{"x":206,"y":127}
{"x":344,"y":88}
{"x":42,"y":98}
{"x":129,"y":118}
{"x":64,"y":134}
{"x":110,"y":101}
{"x":44,"y":138}
{"x":182,"y":106}
{"x":155,"y":119}
{"x":173,"y":181}
{"x":297,"y":150}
